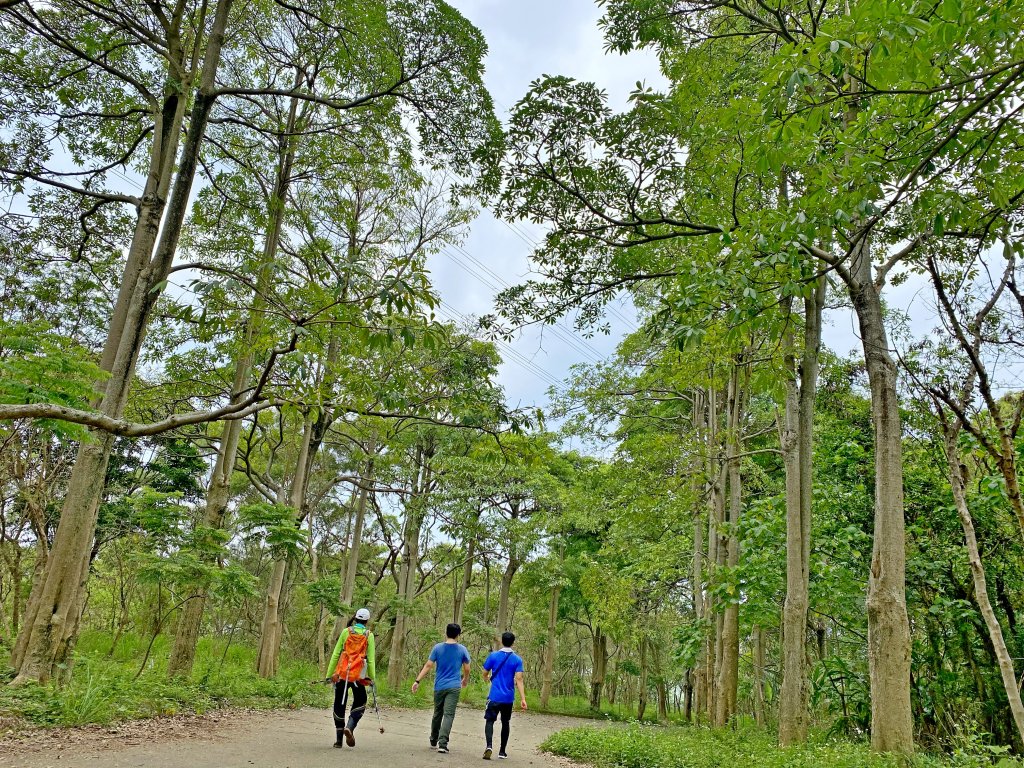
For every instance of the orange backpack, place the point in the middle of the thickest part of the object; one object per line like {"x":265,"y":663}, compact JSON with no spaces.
{"x":352,"y":662}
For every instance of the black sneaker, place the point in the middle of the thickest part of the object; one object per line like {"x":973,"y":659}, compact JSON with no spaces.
{"x":433,"y":746}
{"x":487,"y":753}
{"x":502,"y":756}
{"x":442,"y":750}
{"x":339,"y":744}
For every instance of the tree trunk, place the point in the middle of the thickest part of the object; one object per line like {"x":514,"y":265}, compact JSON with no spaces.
{"x":995,"y":631}
{"x":758,"y":682}
{"x":641,"y":704}
{"x":728,"y":678}
{"x":467,"y":573}
{"x":38,"y":568}
{"x":271,"y":631}
{"x":892,"y":723}
{"x":501,"y":624}
{"x":797,"y":443}
{"x":16,"y":579}
{"x":599,"y":668}
{"x":689,"y":697}
{"x":660,"y":686}
{"x":716,"y":554}
{"x":366,"y":480}
{"x":47,"y":635}
{"x":697,"y":690}
{"x":186,"y":637}
{"x":415,"y":514}
{"x":793,"y":695}
{"x":464,"y":582}
{"x":50,"y":630}
{"x":396,"y":657}
{"x":696,"y":680}
{"x":550,"y":648}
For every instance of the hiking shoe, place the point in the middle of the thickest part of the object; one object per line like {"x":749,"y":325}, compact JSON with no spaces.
{"x":487,"y":753}
{"x":443,"y":750}
{"x":350,"y":738}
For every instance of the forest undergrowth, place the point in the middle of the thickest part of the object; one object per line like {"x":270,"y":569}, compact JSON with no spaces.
{"x":110,"y":685}
{"x":124,"y":683}
{"x":747,"y":745}
{"x":107,"y":686}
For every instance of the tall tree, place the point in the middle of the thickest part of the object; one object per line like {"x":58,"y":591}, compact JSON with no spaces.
{"x":150,"y":76}
{"x":618,"y":189}
{"x":796,"y":429}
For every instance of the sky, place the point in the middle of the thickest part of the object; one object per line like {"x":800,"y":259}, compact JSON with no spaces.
{"x":528,"y":39}
{"x":495,"y":254}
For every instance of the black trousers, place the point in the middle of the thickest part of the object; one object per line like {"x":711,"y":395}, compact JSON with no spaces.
{"x":490,"y":715}
{"x":356,"y":701}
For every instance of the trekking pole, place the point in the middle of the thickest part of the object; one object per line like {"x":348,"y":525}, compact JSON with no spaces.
{"x":344,"y":701}
{"x":376,"y":708}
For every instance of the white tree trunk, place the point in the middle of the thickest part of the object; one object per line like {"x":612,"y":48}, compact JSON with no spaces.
{"x":892,"y":723}
{"x":995,"y":631}
{"x":797,"y":450}
{"x":51,"y":629}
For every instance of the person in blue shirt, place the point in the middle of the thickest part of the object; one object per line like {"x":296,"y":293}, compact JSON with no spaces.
{"x":452,"y":661}
{"x":504,"y":670}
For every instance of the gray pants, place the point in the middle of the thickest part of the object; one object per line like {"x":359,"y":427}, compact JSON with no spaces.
{"x":444,"y":715}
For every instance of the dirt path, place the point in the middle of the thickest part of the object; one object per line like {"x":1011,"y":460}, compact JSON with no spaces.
{"x":291,"y":739}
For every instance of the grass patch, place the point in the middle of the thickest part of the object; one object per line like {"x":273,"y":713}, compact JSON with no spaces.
{"x":641,"y":746}
{"x":474,"y":696}
{"x":579,"y":706}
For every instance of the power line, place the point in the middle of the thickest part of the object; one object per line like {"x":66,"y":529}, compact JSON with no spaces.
{"x":535,"y":244}
{"x":559,"y":330}
{"x":496,"y":283}
{"x":513,"y":355}
{"x":527,"y":238}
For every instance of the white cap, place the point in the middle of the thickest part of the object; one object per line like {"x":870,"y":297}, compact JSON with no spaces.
{"x":363,"y":614}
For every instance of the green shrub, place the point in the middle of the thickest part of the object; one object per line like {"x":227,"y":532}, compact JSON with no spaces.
{"x":106,"y":686}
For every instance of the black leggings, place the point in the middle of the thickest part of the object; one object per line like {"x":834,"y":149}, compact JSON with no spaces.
{"x":490,"y":715}
{"x":356,"y":701}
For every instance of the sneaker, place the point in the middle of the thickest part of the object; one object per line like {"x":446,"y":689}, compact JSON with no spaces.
{"x":433,"y":746}
{"x":502,"y":756}
{"x":339,"y":744}
{"x":487,"y":753}
{"x":442,"y":750}
{"x":350,"y":738}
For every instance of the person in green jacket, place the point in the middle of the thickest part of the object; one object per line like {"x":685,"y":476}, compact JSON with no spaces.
{"x":353,"y":667}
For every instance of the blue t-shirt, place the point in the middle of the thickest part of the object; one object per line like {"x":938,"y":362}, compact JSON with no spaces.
{"x":449,"y":658}
{"x":503,"y":682}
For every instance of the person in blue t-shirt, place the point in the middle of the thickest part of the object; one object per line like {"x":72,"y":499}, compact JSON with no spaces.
{"x":504,"y":670}
{"x":452,"y":662}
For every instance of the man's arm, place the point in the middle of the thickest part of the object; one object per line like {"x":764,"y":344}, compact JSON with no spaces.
{"x":465,"y":674}
{"x":522,"y":690}
{"x":423,"y":673}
